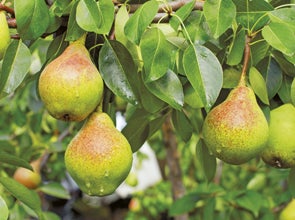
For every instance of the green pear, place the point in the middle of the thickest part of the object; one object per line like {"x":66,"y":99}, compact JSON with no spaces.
{"x":71,"y":86}
{"x":4,"y":34}
{"x":288,"y":213}
{"x":280,"y":150}
{"x":236,"y":130}
{"x":99,"y":157}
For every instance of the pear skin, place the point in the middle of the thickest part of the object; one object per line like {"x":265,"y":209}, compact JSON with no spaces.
{"x":288,"y":213}
{"x":4,"y":34}
{"x":236,"y":130}
{"x":280,"y":149}
{"x":99,"y":157}
{"x":71,"y":86}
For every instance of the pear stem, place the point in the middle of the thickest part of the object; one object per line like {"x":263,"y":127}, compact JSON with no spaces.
{"x":247,"y":53}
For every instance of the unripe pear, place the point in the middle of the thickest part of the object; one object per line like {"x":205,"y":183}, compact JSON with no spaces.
{"x":280,"y":149}
{"x":71,"y":86}
{"x":236,"y":130}
{"x":30,"y":179}
{"x":288,"y":213}
{"x":4,"y":34}
{"x":99,"y":157}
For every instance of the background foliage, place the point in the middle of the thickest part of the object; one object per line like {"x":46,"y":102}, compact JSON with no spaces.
{"x":165,"y":60}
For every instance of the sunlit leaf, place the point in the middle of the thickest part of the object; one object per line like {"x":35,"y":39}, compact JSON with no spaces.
{"x":219,"y":14}
{"x":204,"y":72}
{"x":32,"y":18}
{"x":74,"y":31}
{"x":56,"y":190}
{"x":139,"y":21}
{"x":155,"y":54}
{"x":16,"y":64}
{"x":258,"y":84}
{"x":3,"y":209}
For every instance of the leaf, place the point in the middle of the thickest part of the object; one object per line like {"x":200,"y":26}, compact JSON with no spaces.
{"x":182,"y":125}
{"x":291,"y":181}
{"x":283,"y":15}
{"x":3,"y":209}
{"x":23,"y":194}
{"x":220,"y":15}
{"x":56,"y":47}
{"x":118,"y":70}
{"x":32,"y":18}
{"x":181,"y":14}
{"x":169,"y":89}
{"x":16,"y":64}
{"x":184,"y":204}
{"x":285,"y":90}
{"x":139,"y":21}
{"x":55,"y":189}
{"x":280,"y":37}
{"x":231,"y":78}
{"x":74,"y":31}
{"x":14,"y":160}
{"x":236,"y":49}
{"x":209,"y":209}
{"x":207,"y":160}
{"x":293,"y":91}
{"x":136,"y":131}
{"x":286,"y":66}
{"x":204,"y":72}
{"x":251,"y":201}
{"x":259,"y":50}
{"x":95,"y":16}
{"x":156,"y":54}
{"x":258,"y":85}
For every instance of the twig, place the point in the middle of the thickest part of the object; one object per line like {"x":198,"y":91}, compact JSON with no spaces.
{"x":172,"y":158}
{"x":246,"y":60}
{"x":7,"y":9}
{"x":11,"y":22}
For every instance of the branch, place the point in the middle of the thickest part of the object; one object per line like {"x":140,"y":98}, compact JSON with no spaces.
{"x":246,"y":60}
{"x":172,"y":158}
{"x":11,"y":22}
{"x":7,"y":9}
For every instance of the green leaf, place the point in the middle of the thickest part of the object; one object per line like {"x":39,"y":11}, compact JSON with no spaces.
{"x":231,"y":78}
{"x":182,"y":125}
{"x":137,"y":130}
{"x":95,"y":16}
{"x":209,"y":209}
{"x":251,"y":201}
{"x":14,"y":160}
{"x":55,"y":189}
{"x":32,"y":18}
{"x":207,"y":160}
{"x":293,"y":91}
{"x":286,"y":66}
{"x":118,"y":70}
{"x":169,"y":89}
{"x":285,"y":90}
{"x":181,"y":14}
{"x":23,"y":194}
{"x":74,"y":31}
{"x":259,"y":50}
{"x":156,"y":54}
{"x":258,"y":85}
{"x":204,"y":72}
{"x":291,"y":181}
{"x":236,"y":49}
{"x":184,"y":204}
{"x":283,"y":15}
{"x":3,"y":209}
{"x":280,"y":37}
{"x":220,"y":15}
{"x":139,"y":21}
{"x":16,"y":64}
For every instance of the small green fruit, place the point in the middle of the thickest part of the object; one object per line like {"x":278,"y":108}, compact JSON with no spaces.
{"x":4,"y":34}
{"x":288,"y":213}
{"x":99,"y":157}
{"x":236,"y":130}
{"x":280,"y":150}
{"x":71,"y":86}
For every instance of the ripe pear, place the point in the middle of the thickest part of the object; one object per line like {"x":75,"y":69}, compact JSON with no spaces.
{"x":30,"y":179}
{"x":288,"y":213}
{"x":4,"y":34}
{"x":236,"y":130}
{"x":99,"y":157}
{"x":280,"y":149}
{"x":71,"y":86}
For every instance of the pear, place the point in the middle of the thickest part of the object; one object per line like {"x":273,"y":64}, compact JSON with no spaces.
{"x":30,"y":179}
{"x":288,"y":213}
{"x":99,"y":157}
{"x":71,"y":86}
{"x":280,"y":150}
{"x":4,"y":34}
{"x":236,"y":130}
